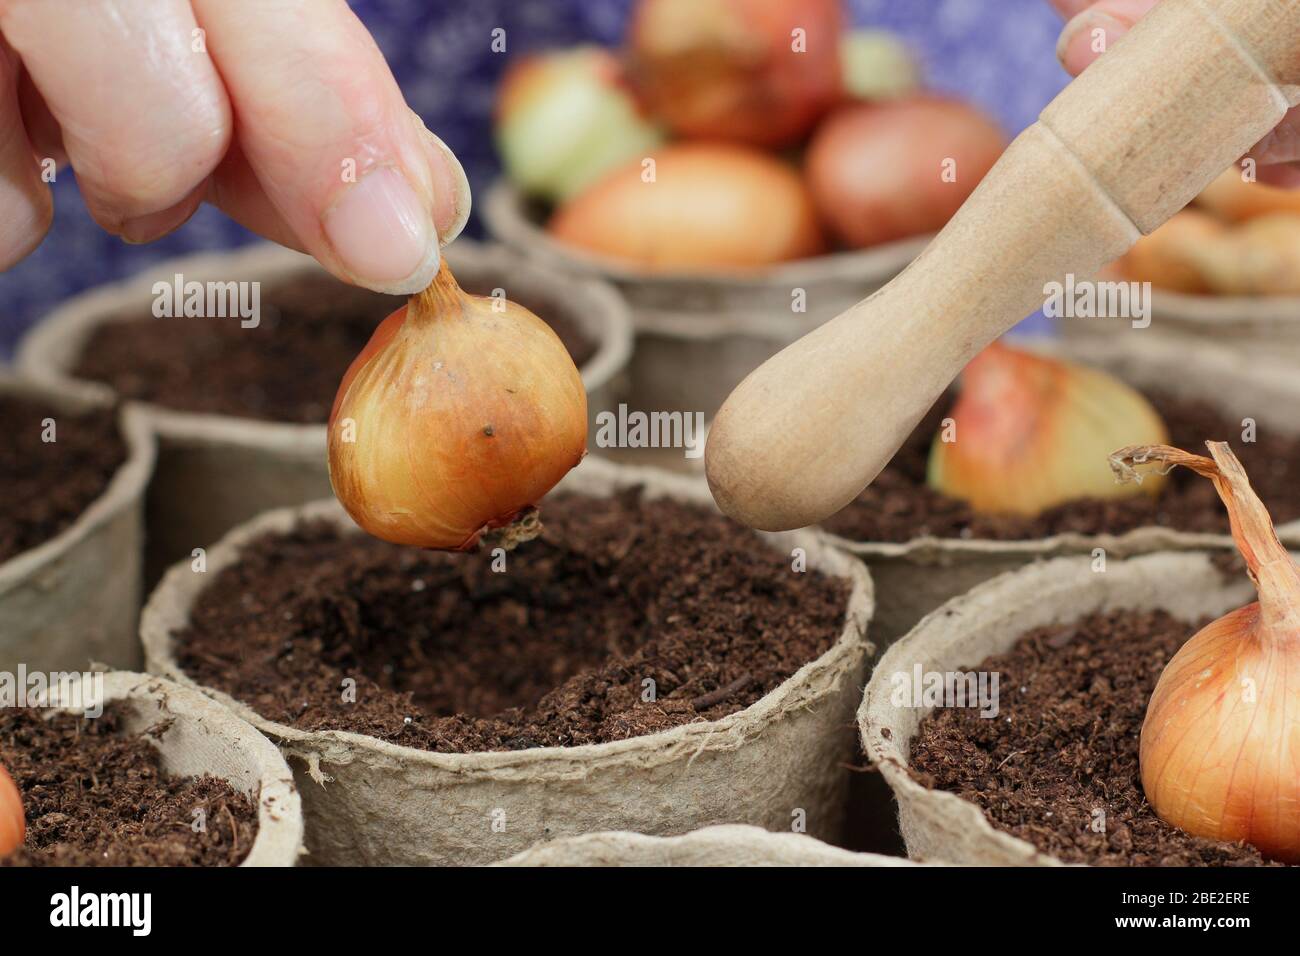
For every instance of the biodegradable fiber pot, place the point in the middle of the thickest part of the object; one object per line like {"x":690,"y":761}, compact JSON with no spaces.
{"x":698,"y":335}
{"x":215,"y":471}
{"x":727,"y":845}
{"x":199,"y":736}
{"x":76,"y":597}
{"x":914,"y":577}
{"x":940,"y":826}
{"x":368,"y":801}
{"x":1257,"y":326}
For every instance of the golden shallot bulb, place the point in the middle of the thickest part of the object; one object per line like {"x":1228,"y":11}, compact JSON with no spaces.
{"x":1220,"y":750}
{"x":1030,"y":432}
{"x":459,"y":415}
{"x":13,"y":828}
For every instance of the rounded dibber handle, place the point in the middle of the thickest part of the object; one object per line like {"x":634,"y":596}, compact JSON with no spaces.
{"x":1126,"y":145}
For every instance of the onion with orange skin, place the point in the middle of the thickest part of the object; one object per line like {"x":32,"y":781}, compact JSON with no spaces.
{"x":1220,"y":748}
{"x":875,"y":170}
{"x":563,"y":119}
{"x":456,"y":418}
{"x":13,"y":827}
{"x":1030,"y":432}
{"x":1232,"y":199}
{"x":1257,"y":257}
{"x":708,"y":207}
{"x":734,"y":69}
{"x":1168,"y":257}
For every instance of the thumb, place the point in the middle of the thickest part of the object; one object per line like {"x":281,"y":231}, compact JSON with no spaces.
{"x":345,"y":164}
{"x":1093,"y":31}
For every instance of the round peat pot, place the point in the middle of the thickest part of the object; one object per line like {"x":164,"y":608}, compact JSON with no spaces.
{"x":75,"y":597}
{"x":698,"y":335}
{"x":216,"y":470}
{"x":1257,"y":326}
{"x":914,"y":577}
{"x":195,"y":736}
{"x":371,"y":801}
{"x":726,"y":845}
{"x":960,"y":636}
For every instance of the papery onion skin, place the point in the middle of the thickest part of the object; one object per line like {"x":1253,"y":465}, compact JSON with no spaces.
{"x":726,"y":69}
{"x":13,"y":826}
{"x":1220,"y":748}
{"x":566,"y":118}
{"x":1033,"y":432}
{"x":1227,"y":793}
{"x":875,"y":169}
{"x":463,"y":418}
{"x":711,"y":207}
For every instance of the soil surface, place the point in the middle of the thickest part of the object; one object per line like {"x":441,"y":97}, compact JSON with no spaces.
{"x":285,"y":369}
{"x":95,"y":796}
{"x":559,"y":650}
{"x":899,"y":506}
{"x":45,"y":486}
{"x":1065,"y":744}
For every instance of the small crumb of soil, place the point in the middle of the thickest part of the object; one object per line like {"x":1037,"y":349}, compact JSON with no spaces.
{"x":626,"y":617}
{"x":94,"y":795}
{"x":899,"y":506}
{"x":285,"y":369}
{"x":1064,"y":745}
{"x":46,"y":485}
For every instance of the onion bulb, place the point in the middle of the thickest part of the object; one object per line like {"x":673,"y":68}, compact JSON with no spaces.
{"x":877,"y":66}
{"x":884,"y":171}
{"x":1168,"y":258}
{"x":1234,"y":200}
{"x":457,"y":417}
{"x":564,"y":119}
{"x":1258,"y":257}
{"x":760,"y":72}
{"x":1220,"y":748}
{"x":1030,"y":432}
{"x":13,"y":828}
{"x":708,"y":206}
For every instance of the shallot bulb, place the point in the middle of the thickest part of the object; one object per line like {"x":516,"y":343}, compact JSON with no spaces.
{"x":1030,"y":432}
{"x":13,"y":828}
{"x":1220,"y":750}
{"x":456,"y":418}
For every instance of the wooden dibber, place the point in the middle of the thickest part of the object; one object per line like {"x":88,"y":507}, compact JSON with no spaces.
{"x":1126,"y":145}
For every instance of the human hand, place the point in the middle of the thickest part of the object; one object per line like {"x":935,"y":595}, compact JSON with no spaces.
{"x":1277,"y":154}
{"x":282,"y":113}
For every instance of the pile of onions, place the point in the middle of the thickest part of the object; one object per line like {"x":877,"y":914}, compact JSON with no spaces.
{"x":456,"y":418}
{"x":703,"y":206}
{"x":564,"y":119}
{"x":1167,"y":258}
{"x":13,"y":827}
{"x":1220,"y":750}
{"x":1030,"y":432}
{"x":876,"y":171}
{"x":736,"y":69}
{"x":1232,"y":199}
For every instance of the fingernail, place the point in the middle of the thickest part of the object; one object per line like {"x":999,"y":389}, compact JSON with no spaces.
{"x":155,"y":225}
{"x":383,"y":234}
{"x":1077,"y":46}
{"x":451,"y":186}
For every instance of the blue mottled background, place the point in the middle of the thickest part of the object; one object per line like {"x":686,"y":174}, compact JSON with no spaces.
{"x":1000,"y":53}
